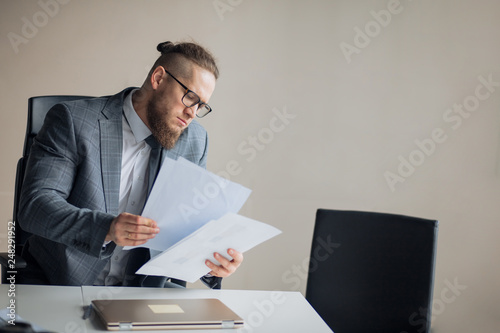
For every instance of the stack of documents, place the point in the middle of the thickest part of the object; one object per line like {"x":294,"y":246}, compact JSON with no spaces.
{"x":196,"y":212}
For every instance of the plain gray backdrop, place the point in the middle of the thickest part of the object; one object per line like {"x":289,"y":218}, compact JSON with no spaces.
{"x":383,"y":105}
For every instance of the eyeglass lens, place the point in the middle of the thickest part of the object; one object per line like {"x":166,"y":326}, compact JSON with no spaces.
{"x":191,"y":99}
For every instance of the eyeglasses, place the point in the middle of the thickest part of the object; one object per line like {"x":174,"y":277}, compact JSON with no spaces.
{"x":190,"y":99}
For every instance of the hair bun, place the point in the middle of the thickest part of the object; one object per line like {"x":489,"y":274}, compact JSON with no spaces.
{"x":165,"y":47}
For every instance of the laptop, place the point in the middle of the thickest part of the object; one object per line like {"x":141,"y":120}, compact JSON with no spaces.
{"x":165,"y":314}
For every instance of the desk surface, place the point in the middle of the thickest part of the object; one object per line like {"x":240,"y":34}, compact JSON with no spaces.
{"x":61,"y":308}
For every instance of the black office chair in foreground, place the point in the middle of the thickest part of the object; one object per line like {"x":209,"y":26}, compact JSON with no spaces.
{"x":37,"y":109}
{"x":372,"y":272}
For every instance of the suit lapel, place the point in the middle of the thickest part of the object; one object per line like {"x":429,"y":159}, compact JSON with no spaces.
{"x":111,"y":161}
{"x":111,"y":139}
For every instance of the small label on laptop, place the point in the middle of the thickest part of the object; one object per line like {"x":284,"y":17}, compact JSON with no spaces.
{"x":166,"y":308}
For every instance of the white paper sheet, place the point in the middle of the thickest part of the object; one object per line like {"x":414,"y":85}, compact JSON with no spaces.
{"x":185,"y":197}
{"x":186,"y":259}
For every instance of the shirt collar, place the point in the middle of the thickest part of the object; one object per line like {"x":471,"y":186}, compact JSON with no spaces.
{"x":139,"y":129}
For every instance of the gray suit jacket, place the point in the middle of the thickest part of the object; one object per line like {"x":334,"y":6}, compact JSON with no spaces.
{"x":71,"y":188}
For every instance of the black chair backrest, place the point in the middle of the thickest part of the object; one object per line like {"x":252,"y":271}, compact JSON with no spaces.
{"x":372,"y":272}
{"x":37,"y":110}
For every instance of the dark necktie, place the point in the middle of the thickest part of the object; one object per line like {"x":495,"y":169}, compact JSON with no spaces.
{"x":154,"y":160}
{"x":139,"y":256}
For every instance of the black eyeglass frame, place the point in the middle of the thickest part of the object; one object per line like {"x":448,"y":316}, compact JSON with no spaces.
{"x":201,"y":104}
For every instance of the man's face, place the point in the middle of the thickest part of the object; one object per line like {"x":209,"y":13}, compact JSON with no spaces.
{"x":167,"y":116}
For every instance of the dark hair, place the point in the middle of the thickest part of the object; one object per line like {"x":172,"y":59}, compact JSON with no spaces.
{"x":171,"y":55}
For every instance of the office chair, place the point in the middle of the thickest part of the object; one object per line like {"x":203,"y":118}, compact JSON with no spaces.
{"x":37,"y":109}
{"x":372,"y":272}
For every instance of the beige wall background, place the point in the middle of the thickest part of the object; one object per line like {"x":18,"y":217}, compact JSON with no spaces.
{"x":357,"y":104}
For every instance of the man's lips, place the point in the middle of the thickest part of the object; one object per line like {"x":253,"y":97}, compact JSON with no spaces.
{"x":182,"y":121}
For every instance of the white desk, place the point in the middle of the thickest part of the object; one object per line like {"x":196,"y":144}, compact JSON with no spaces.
{"x":55,"y":308}
{"x":61,"y":308}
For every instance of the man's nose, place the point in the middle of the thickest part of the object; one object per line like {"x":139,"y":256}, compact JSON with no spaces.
{"x":191,"y":111}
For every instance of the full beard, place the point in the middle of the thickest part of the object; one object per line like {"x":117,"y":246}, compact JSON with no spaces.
{"x":163,"y":133}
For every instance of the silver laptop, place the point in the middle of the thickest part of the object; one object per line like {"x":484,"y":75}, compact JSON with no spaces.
{"x":165,"y":314}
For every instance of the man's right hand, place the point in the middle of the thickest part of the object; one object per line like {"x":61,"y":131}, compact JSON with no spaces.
{"x":131,"y":230}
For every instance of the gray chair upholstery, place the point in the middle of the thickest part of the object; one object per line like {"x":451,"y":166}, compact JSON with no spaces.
{"x":37,"y":109}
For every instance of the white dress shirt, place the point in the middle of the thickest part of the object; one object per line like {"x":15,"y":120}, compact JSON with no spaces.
{"x":133,"y":183}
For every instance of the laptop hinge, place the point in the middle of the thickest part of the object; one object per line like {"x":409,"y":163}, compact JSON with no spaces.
{"x":125,"y":326}
{"x":228,"y":324}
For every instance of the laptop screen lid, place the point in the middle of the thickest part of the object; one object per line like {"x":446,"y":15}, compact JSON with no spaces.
{"x":164,"y":314}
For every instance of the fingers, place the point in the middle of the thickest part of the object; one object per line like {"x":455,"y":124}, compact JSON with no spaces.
{"x":132,"y":230}
{"x":226,"y":267}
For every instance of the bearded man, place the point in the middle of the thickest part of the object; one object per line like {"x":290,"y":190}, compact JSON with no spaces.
{"x":93,"y":164}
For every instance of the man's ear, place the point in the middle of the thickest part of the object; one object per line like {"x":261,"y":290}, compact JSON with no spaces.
{"x":157,"y":77}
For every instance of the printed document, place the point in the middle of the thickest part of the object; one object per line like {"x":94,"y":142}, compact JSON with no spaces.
{"x":196,"y":212}
{"x":186,"y":259}
{"x":184,"y":197}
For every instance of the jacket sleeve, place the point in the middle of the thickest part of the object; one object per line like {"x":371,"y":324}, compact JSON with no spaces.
{"x":213,"y":282}
{"x":51,"y":169}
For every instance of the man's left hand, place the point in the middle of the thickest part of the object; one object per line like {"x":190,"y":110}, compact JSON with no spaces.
{"x":227,"y":267}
